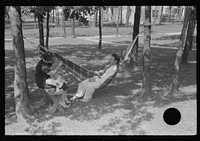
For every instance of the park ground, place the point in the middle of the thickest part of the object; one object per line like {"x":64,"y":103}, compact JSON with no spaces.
{"x":114,"y":110}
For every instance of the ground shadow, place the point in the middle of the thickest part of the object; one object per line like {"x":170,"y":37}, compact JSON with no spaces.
{"x":121,"y":93}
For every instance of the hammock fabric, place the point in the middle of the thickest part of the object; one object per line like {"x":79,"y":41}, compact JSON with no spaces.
{"x":81,"y":73}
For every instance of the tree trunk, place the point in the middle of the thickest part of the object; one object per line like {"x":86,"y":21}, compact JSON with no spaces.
{"x":23,"y":107}
{"x":47,"y":34}
{"x":121,"y":15}
{"x":186,"y":19}
{"x":102,"y":17}
{"x":180,"y":14}
{"x":189,"y":38}
{"x":64,"y":26}
{"x":154,"y":21}
{"x":63,"y":23}
{"x":73,"y":27}
{"x":62,"y":20}
{"x":175,"y":83}
{"x":100,"y":31}
{"x":35,"y":18}
{"x":41,"y":32}
{"x":95,"y":19}
{"x":161,"y":15}
{"x":118,"y":20}
{"x":127,"y":16}
{"x":169,"y":14}
{"x":134,"y":51}
{"x":53,"y":15}
{"x":146,"y":83}
{"x":57,"y":17}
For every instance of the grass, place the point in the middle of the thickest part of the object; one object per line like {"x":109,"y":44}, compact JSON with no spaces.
{"x":115,"y":108}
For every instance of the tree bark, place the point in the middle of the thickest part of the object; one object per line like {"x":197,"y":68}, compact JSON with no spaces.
{"x":63,"y":23}
{"x":180,"y":14}
{"x":35,"y":18}
{"x":23,"y":107}
{"x":175,"y":83}
{"x":41,"y":32}
{"x":154,"y":21}
{"x":136,"y":26}
{"x":169,"y":14}
{"x":121,"y":15}
{"x":161,"y":15}
{"x":189,"y":38}
{"x":127,"y":16}
{"x":47,"y":27}
{"x":53,"y":16}
{"x":100,"y":31}
{"x":146,"y":83}
{"x":95,"y":19}
{"x":73,"y":27}
{"x":186,"y":19}
{"x":118,"y":20}
{"x":57,"y":17}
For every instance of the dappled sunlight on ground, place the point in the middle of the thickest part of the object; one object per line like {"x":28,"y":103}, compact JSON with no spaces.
{"x":115,"y":109}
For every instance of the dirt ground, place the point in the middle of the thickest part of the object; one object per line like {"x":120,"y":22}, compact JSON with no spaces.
{"x":115,"y":109}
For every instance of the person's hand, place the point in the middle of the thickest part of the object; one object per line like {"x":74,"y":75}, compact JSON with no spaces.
{"x":51,"y":73}
{"x":92,"y":79}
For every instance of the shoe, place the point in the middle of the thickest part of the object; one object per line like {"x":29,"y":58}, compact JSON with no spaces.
{"x":67,"y":101}
{"x":74,"y":98}
{"x":85,"y":100}
{"x":63,"y":104}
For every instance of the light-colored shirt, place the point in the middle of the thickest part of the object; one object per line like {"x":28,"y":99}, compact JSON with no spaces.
{"x":109,"y":72}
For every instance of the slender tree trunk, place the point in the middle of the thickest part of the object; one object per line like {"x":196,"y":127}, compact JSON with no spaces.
{"x":102,"y":17}
{"x":186,"y":19}
{"x":95,"y":19}
{"x":118,"y":20}
{"x":161,"y":15}
{"x":23,"y":107}
{"x":57,"y":17}
{"x":62,"y":20}
{"x":146,"y":83}
{"x":47,"y":34}
{"x":100,"y":31}
{"x":169,"y":14}
{"x":175,"y":83}
{"x":41,"y":32}
{"x":121,"y":15}
{"x":189,"y":38}
{"x":134,"y":51}
{"x":64,"y":26}
{"x":53,"y":15}
{"x":127,"y":16}
{"x":180,"y":14}
{"x":35,"y":18}
{"x":73,"y":27}
{"x":154,"y":21}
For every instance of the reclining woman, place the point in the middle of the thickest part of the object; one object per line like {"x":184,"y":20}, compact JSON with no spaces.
{"x":87,"y":87}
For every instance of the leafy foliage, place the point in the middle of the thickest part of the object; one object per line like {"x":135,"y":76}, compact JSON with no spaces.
{"x":80,"y":12}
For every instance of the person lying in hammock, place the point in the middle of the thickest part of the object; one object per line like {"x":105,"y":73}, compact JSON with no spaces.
{"x":87,"y":87}
{"x":48,"y":75}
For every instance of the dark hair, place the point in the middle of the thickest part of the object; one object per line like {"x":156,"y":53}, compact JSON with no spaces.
{"x":117,"y":58}
{"x":48,"y":56}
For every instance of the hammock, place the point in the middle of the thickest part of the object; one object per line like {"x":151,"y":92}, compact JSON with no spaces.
{"x":79,"y":72}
